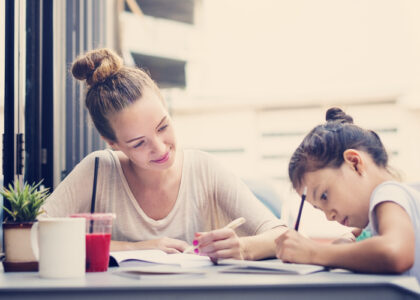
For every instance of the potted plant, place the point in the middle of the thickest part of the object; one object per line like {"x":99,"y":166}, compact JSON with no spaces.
{"x":25,"y":206}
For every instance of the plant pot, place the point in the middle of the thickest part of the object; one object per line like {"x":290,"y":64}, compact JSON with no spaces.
{"x":17,"y":248}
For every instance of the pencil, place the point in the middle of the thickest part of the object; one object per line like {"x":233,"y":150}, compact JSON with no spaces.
{"x":300,"y":208}
{"x":235,"y":223}
{"x":232,"y":225}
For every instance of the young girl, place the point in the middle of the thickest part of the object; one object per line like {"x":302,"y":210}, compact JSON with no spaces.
{"x":345,"y":170}
{"x":163,"y":197}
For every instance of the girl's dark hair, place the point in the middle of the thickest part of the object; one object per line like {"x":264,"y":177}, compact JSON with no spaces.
{"x":111,"y":86}
{"x":325,"y":144}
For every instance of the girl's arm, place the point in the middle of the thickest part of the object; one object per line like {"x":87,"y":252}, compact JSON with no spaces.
{"x":392,"y":251}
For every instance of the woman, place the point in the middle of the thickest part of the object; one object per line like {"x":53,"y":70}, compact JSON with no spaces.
{"x":163,"y":197}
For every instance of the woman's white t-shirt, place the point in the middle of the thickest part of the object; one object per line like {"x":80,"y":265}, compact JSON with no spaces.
{"x":209,"y":197}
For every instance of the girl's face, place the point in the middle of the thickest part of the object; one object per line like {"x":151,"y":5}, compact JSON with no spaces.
{"x":145,"y":133}
{"x":341,"y":193}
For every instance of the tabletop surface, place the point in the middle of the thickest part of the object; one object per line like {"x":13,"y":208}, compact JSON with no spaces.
{"x":30,"y":285}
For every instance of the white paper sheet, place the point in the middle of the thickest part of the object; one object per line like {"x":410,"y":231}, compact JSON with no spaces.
{"x":268,"y":266}
{"x":184,"y":260}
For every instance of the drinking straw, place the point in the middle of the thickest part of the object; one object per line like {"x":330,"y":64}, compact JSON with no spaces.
{"x":92,"y":206}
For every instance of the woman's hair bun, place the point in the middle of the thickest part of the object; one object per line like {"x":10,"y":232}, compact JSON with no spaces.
{"x":336,"y":114}
{"x":96,"y":66}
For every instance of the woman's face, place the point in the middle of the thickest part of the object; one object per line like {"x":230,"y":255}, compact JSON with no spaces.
{"x":145,"y":133}
{"x":341,"y":193}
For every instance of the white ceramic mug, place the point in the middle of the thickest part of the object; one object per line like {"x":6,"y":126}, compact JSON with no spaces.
{"x":59,"y":245}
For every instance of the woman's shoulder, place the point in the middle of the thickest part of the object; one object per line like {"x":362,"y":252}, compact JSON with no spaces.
{"x":106,"y":155}
{"x":207,"y":166}
{"x":107,"y":159}
{"x":200,"y":159}
{"x":199,"y":155}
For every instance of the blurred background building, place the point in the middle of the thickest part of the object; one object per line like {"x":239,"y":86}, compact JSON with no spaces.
{"x":244,"y":80}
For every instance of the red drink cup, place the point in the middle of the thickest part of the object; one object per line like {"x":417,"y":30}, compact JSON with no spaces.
{"x":98,"y":240}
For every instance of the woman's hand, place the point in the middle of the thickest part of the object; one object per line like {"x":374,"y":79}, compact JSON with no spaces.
{"x":220,"y":243}
{"x":293,"y":247}
{"x":165,"y":244}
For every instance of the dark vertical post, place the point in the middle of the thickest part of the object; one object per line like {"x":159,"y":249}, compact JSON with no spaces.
{"x":39,"y":92}
{"x":47,"y":108}
{"x":33,"y":115}
{"x":9,"y":95}
{"x":70,"y":100}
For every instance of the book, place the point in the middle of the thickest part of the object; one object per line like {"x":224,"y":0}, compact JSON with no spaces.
{"x":155,"y":256}
{"x":159,"y":272}
{"x":270,"y":266}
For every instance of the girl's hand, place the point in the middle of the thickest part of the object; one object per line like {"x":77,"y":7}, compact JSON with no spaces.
{"x":165,"y":244}
{"x":293,"y":247}
{"x":347,"y":237}
{"x":220,"y":243}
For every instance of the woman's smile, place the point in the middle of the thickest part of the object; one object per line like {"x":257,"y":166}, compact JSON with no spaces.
{"x":162,"y":159}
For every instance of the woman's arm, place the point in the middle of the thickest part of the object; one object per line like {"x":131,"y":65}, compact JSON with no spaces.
{"x":228,"y":199}
{"x":224,"y":243}
{"x":262,"y":245}
{"x":392,"y":251}
{"x":165,"y":244}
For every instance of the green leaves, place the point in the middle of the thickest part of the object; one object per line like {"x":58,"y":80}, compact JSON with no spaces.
{"x":25,"y":201}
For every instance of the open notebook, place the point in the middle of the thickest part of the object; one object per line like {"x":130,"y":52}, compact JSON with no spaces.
{"x":184,"y":260}
{"x":274,"y":266}
{"x":161,"y":262}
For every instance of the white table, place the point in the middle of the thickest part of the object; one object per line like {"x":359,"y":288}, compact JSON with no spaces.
{"x":213,"y":285}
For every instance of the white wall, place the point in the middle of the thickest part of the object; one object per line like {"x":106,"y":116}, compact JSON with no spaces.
{"x":280,"y":53}
{"x":323,"y":47}
{"x":276,"y":65}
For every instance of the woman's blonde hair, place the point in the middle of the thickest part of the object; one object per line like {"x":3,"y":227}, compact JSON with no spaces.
{"x":111,"y":86}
